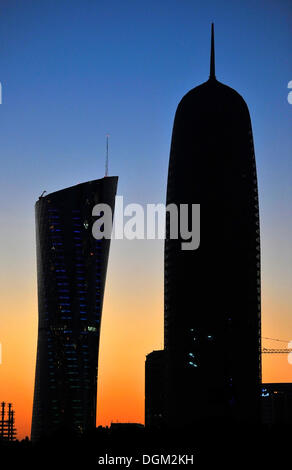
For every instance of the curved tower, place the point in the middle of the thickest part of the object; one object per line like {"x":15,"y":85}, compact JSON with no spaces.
{"x":71,"y":269}
{"x":212,"y":294}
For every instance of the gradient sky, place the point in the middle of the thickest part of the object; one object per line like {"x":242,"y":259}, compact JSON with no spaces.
{"x":72,"y":71}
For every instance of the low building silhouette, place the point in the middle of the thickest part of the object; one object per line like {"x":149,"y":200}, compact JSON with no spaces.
{"x":155,"y":389}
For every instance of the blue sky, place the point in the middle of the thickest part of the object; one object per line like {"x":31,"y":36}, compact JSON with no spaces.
{"x":72,"y":71}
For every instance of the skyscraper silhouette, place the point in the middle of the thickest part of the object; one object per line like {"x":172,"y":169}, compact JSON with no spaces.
{"x":71,"y":268}
{"x":212,"y":294}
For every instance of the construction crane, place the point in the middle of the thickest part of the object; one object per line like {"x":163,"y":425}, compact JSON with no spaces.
{"x":277,"y":350}
{"x":7,"y":423}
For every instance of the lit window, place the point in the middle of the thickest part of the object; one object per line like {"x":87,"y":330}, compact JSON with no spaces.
{"x":192,"y":364}
{"x":91,"y":328}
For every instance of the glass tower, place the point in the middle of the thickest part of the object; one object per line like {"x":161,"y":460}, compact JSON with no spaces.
{"x":71,"y":271}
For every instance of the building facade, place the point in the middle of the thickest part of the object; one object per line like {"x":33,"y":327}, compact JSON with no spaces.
{"x":277,"y":403}
{"x":212,"y":294}
{"x":71,"y":271}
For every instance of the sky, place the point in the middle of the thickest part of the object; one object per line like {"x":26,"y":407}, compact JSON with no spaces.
{"x":72,"y":71}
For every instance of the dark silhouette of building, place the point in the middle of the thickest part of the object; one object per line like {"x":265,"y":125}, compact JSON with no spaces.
{"x":7,"y":423}
{"x":154,"y":389}
{"x":277,"y":403}
{"x":212,"y":294}
{"x":71,"y":267}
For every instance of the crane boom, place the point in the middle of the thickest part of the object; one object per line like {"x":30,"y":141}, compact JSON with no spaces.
{"x":276,"y":351}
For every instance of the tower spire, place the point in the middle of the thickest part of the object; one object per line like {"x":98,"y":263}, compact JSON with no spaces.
{"x":212,"y":57}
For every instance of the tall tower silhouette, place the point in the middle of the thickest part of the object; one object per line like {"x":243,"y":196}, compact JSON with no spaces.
{"x":212,"y":294}
{"x":71,"y":268}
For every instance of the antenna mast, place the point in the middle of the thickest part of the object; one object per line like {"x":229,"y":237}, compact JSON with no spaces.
{"x":106,"y":158}
{"x":212,"y":57}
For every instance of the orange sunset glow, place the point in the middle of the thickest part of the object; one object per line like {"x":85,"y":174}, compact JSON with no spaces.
{"x":132,"y":326}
